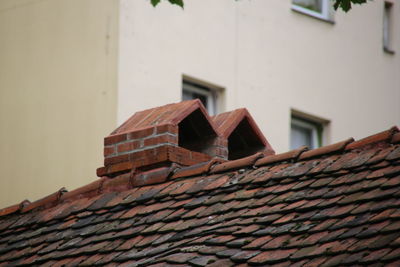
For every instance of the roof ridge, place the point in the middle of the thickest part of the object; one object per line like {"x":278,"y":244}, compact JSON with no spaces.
{"x":150,"y":111}
{"x":197,"y":169}
{"x":45,"y":201}
{"x":395,"y":138}
{"x":290,"y":155}
{"x":328,"y":149}
{"x":375,"y":138}
{"x":160,"y":175}
{"x":237,"y":164}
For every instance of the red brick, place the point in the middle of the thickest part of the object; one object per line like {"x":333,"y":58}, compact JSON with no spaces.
{"x":116,"y":159}
{"x":141,"y":133}
{"x":101,"y":171}
{"x":150,"y":156}
{"x":220,"y":141}
{"x":186,"y":157}
{"x":128,"y":146}
{"x":113,"y":139}
{"x":108,"y":150}
{"x":167,"y":128}
{"x":160,"y":140}
{"x":219,"y":152}
{"x":119,"y":167}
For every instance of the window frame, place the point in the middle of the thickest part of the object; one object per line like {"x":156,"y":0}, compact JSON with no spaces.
{"x":387,"y":25}
{"x":213,"y":93}
{"x":323,"y":126}
{"x":325,"y":15}
{"x":316,"y":130}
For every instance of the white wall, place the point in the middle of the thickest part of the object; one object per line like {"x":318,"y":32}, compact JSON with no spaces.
{"x":58,"y":84}
{"x":269,"y":58}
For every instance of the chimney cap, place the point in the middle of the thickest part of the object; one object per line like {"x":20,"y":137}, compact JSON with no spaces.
{"x":239,"y":127}
{"x":181,"y":133}
{"x":171,"y":114}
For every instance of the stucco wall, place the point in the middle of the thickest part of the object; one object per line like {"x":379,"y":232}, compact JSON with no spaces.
{"x":58,"y":63}
{"x":269,"y":58}
{"x":69,"y":69}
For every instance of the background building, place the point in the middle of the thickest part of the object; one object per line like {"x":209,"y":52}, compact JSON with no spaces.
{"x":71,"y":70}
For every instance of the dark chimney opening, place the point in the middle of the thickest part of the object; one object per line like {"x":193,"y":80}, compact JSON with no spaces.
{"x":196,"y":133}
{"x":243,"y":141}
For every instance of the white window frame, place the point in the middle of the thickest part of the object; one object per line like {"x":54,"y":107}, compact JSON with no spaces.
{"x":326,"y":13}
{"x":210,"y":93}
{"x":387,"y":35}
{"x":310,"y":126}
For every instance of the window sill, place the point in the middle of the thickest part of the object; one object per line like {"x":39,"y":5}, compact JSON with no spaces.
{"x":312,"y":14}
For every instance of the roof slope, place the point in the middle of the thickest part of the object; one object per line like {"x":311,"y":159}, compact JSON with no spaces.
{"x":335,"y":205}
{"x":167,"y":114}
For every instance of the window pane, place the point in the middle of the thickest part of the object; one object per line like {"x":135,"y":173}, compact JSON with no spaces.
{"x":186,"y":95}
{"x":387,"y":26}
{"x":300,"y":136}
{"x":207,"y":95}
{"x":202,"y":98}
{"x":315,"y":5}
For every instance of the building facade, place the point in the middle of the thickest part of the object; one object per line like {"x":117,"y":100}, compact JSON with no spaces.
{"x":71,"y":71}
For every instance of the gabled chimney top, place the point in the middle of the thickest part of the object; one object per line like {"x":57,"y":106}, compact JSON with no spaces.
{"x":171,"y":114}
{"x":181,"y":133}
{"x":243,"y":135}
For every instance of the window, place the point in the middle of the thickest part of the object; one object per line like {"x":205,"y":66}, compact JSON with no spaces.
{"x":387,"y":27}
{"x":209,"y":95}
{"x":321,"y":9}
{"x":307,"y":130}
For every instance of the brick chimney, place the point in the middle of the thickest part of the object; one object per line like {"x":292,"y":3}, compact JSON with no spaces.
{"x":181,"y":133}
{"x":243,"y":135}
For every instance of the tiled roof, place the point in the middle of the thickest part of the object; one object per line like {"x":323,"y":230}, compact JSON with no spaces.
{"x":336,"y":205}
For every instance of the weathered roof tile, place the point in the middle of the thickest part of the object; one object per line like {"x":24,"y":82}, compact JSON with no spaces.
{"x":312,"y":208}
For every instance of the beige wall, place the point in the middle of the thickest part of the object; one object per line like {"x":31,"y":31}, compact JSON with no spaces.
{"x":70,"y":69}
{"x":269,"y":58}
{"x":58,"y":63}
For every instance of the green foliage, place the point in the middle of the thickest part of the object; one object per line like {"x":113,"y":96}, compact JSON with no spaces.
{"x":174,"y":2}
{"x":345,"y":5}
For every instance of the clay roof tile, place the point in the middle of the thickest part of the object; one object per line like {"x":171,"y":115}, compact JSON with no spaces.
{"x":287,"y":156}
{"x":335,"y":205}
{"x":334,"y":148}
{"x":382,"y":136}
